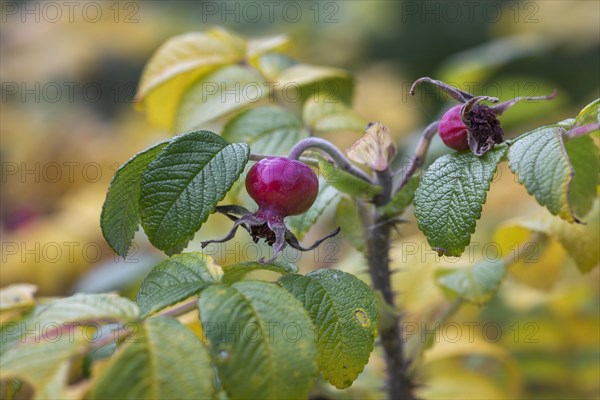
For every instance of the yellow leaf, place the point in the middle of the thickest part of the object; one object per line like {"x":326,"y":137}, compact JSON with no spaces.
{"x":179,"y":62}
{"x":579,"y":240}
{"x":375,"y":149}
{"x":258,"y":46}
{"x":536,"y":264}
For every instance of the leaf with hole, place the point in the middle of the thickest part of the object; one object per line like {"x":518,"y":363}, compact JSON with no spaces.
{"x":345,"y":313}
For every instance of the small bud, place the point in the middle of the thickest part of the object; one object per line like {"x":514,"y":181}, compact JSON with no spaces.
{"x":375,"y":149}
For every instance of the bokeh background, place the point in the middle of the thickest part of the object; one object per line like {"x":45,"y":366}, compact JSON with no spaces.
{"x":69,"y":73}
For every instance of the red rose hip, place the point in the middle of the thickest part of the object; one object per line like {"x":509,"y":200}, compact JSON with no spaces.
{"x":453,"y":130}
{"x":282,"y":187}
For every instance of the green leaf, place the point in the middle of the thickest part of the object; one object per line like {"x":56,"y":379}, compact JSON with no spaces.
{"x":120,"y":216}
{"x":344,"y":311}
{"x":300,"y":82}
{"x":83,"y":307}
{"x":348,"y":219}
{"x":183,"y":185}
{"x":330,"y":116}
{"x":164,"y":360}
{"x":583,"y":154}
{"x":236,"y":272}
{"x":402,"y":199}
{"x":217,"y":94}
{"x":178,"y":63}
{"x":542,"y":165}
{"x":345,"y":182}
{"x":476,"y":284}
{"x":261,"y":339}
{"x":450,"y":197}
{"x":327,"y":196}
{"x":272,"y":64}
{"x":589,"y":115}
{"x":44,"y":364}
{"x":176,"y":279}
{"x":267,"y":130}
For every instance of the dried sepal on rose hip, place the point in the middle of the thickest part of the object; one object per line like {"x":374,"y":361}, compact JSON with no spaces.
{"x":281,"y":187}
{"x":472,"y":125}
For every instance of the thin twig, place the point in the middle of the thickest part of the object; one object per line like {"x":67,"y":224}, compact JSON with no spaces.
{"x":330,"y":149}
{"x":582,"y":130}
{"x":418,"y":159}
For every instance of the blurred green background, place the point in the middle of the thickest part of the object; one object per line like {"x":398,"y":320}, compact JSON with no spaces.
{"x":69,"y":73}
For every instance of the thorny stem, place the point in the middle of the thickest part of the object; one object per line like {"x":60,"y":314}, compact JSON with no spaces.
{"x":330,"y":149}
{"x":582,"y":130}
{"x":379,"y":228}
{"x":419,"y":157}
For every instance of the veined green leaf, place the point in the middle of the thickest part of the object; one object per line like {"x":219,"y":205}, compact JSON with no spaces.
{"x":120,"y":216}
{"x":450,"y":197}
{"x":163,"y":360}
{"x":261,"y":340}
{"x":84,"y":307}
{"x":183,"y":185}
{"x":345,"y":313}
{"x":176,"y":279}
{"x":542,"y":165}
